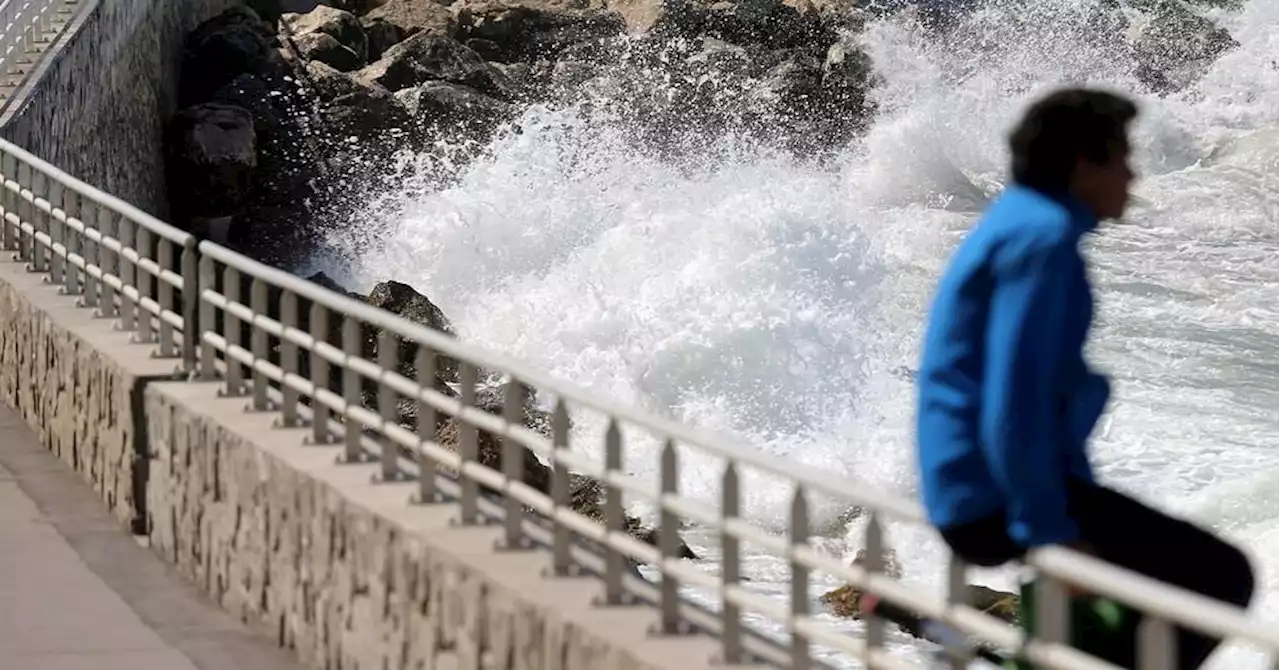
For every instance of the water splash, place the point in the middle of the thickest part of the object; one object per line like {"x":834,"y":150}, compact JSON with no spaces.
{"x":780,"y":299}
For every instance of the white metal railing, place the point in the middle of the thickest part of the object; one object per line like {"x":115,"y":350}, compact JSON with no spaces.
{"x":298,"y":349}
{"x":27,"y":29}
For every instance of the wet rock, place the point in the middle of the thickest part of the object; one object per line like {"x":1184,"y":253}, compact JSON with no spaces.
{"x":428,"y":57}
{"x":404,"y":301}
{"x":531,"y":30}
{"x":441,"y":109}
{"x":212,"y":158}
{"x":587,"y":496}
{"x":323,"y":48}
{"x":342,"y":27}
{"x":274,"y":224}
{"x":770,"y":23}
{"x":350,"y":107}
{"x":845,"y":601}
{"x":411,"y":17}
{"x":1176,"y":46}
{"x":382,"y":35}
{"x":231,"y":44}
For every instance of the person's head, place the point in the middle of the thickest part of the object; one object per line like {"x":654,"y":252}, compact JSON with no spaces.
{"x":1076,"y":140}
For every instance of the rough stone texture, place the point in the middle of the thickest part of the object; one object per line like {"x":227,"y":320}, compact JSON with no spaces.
{"x":110,"y":135}
{"x":71,"y":384}
{"x":347,"y":572}
{"x":342,"y":571}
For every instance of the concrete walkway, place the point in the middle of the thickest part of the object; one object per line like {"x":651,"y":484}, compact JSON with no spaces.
{"x":79,"y":592}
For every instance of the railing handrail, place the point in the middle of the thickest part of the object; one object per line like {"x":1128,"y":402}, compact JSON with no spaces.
{"x":713,"y":443}
{"x":48,"y":234}
{"x":1180,"y":605}
{"x":176,"y":235}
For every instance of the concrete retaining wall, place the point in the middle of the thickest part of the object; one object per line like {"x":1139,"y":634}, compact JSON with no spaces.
{"x":74,"y":380}
{"x":309,"y":552}
{"x":101,"y":99}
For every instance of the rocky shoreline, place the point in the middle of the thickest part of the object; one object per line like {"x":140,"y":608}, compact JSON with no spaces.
{"x":293,"y":111}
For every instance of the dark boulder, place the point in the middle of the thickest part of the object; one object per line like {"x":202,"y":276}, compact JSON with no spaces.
{"x":212,"y":151}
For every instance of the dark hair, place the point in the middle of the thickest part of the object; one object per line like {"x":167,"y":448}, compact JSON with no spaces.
{"x":1064,"y":126}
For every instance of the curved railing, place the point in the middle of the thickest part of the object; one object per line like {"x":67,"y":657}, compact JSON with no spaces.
{"x":300,"y":350}
{"x":28,"y":28}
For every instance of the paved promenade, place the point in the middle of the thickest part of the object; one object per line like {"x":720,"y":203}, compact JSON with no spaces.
{"x":78,"y":592}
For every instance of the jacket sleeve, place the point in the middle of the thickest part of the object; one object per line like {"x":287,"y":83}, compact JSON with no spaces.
{"x":1020,"y":421}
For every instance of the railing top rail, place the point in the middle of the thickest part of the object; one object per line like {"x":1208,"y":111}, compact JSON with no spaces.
{"x":813,"y":478}
{"x":1175,"y":604}
{"x":151,"y":223}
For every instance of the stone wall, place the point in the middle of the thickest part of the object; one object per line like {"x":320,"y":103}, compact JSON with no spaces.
{"x":345,"y":571}
{"x":76,"y":381}
{"x":103,"y":96}
{"x":313,"y":554}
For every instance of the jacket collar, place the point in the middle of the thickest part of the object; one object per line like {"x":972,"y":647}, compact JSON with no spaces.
{"x":1082,"y":216}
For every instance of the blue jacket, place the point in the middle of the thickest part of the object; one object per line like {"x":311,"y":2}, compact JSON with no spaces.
{"x":1005,"y":399}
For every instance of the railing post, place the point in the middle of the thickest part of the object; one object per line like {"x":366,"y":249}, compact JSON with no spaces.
{"x":190,"y":305}
{"x":164,"y":297}
{"x":388,"y":359}
{"x":142,"y":280}
{"x":76,"y":243}
{"x":128,"y":272}
{"x":669,"y":539}
{"x":513,"y":463}
{"x":107,"y":224}
{"x":319,"y":373}
{"x":561,"y":559}
{"x":352,"y":451}
{"x":468,"y":448}
{"x":258,"y":344}
{"x":8,"y":234}
{"x":26,"y":243}
{"x":1157,"y":645}
{"x":614,"y":516}
{"x":230,"y":331}
{"x":731,"y":567}
{"x":208,"y":319}
{"x":874,"y":565}
{"x":957,"y":594}
{"x":799,"y":537}
{"x":26,"y":182}
{"x":425,"y":364}
{"x":288,"y":360}
{"x":58,"y":237}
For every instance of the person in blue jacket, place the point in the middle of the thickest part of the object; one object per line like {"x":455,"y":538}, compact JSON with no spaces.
{"x":1006,"y":401}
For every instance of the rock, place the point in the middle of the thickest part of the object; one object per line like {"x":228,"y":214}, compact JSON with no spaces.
{"x":323,"y":48}
{"x":451,"y":110}
{"x":999,"y":604}
{"x":274,"y":226}
{"x":411,"y":17}
{"x":350,"y":107}
{"x":531,"y":30}
{"x":343,"y":27}
{"x":381,"y":35}
{"x":429,"y":57}
{"x":845,"y":601}
{"x":586,"y":496}
{"x":212,"y":151}
{"x":770,"y":23}
{"x":271,"y":10}
{"x":231,"y":44}
{"x":332,"y":284}
{"x":489,"y":454}
{"x":404,"y":301}
{"x":1176,"y":46}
